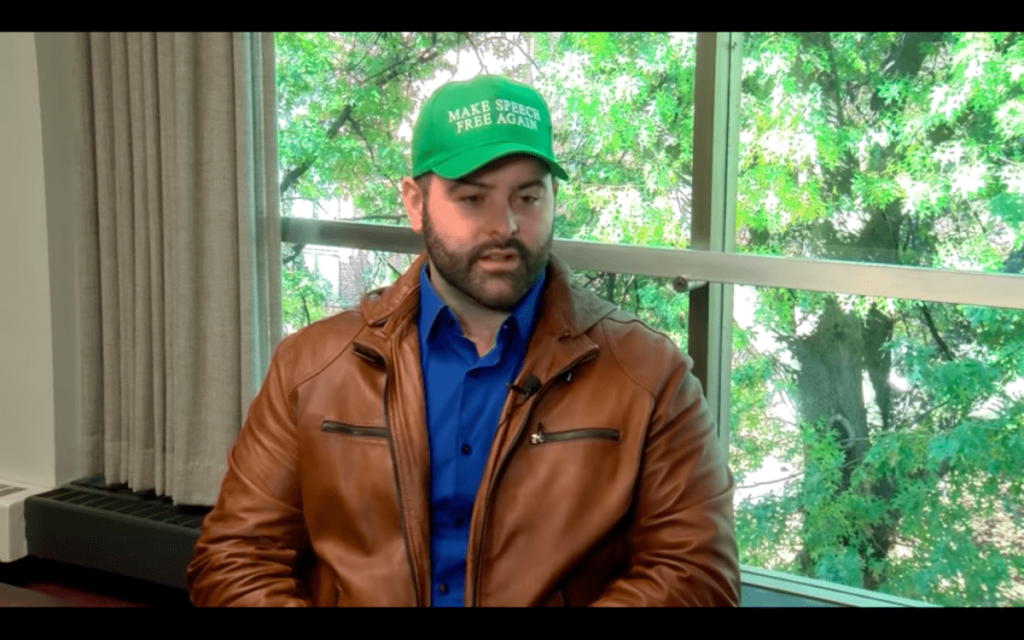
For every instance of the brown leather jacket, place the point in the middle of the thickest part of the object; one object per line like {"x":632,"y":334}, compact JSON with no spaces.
{"x":607,"y":486}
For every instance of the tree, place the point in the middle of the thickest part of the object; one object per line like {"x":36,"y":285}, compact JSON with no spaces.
{"x":900,"y":148}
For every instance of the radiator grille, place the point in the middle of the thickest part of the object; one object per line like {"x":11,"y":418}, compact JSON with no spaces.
{"x":154,"y":510}
{"x":112,"y":529}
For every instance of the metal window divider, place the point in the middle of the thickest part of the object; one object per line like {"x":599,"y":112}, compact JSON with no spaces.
{"x":715,"y":165}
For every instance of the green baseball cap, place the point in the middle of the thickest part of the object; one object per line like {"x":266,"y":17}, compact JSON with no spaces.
{"x":465,"y":125}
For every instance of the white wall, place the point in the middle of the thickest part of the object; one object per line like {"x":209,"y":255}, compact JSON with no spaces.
{"x":38,"y":363}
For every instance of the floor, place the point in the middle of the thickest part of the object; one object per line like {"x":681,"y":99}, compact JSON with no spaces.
{"x":81,"y":587}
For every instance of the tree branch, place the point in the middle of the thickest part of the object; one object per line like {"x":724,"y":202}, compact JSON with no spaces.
{"x":925,"y":414}
{"x":321,"y":208}
{"x":591,"y":279}
{"x":387,"y":74}
{"x":636,"y":296}
{"x":777,"y":480}
{"x":352,"y":67}
{"x":1014,"y":262}
{"x":290,"y":259}
{"x":947,"y":354}
{"x":515,"y":43}
{"x":528,"y":56}
{"x":389,"y":68}
{"x":391,"y":217}
{"x":458,"y":53}
{"x":292,"y":176}
{"x":477,"y":52}
{"x":625,"y":290}
{"x":396,"y":69}
{"x":369,"y":148}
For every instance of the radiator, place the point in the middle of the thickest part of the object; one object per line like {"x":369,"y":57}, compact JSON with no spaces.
{"x":114,"y":530}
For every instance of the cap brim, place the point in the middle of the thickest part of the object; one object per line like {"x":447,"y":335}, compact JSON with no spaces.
{"x":470,"y":160}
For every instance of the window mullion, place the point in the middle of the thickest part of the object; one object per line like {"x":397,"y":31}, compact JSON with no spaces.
{"x":715,"y":145}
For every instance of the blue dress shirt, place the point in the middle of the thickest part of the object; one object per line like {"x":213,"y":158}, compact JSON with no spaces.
{"x":464,"y":395}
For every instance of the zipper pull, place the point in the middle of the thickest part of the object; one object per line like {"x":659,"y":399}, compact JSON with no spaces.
{"x":538,"y":437}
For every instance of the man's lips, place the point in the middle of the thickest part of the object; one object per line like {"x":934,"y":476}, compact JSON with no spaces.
{"x":499,"y":256}
{"x":499,"y":260}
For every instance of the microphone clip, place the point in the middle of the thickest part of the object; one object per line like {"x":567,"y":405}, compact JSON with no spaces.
{"x":531,"y":385}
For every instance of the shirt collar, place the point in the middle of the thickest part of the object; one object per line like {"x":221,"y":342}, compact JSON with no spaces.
{"x":524,"y":313}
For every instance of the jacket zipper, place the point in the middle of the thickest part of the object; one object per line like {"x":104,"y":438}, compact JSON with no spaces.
{"x":397,"y":488}
{"x":501,"y":466}
{"x":376,"y":358}
{"x":369,"y":432}
{"x":577,"y":434}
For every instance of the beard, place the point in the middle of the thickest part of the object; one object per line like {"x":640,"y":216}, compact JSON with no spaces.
{"x":498,"y":291}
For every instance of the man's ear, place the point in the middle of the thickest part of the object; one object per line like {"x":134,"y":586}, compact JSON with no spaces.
{"x":413,"y":199}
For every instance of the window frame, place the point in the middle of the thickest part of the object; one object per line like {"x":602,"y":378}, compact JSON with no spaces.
{"x":710,"y":268}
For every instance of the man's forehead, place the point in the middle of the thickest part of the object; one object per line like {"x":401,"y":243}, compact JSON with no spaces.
{"x":539,"y":171}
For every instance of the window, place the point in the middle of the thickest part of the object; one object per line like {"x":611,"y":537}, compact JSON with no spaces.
{"x":898,"y":470}
{"x":845,"y":210}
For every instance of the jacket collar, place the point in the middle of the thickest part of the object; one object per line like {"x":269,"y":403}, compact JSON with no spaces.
{"x":565,"y":310}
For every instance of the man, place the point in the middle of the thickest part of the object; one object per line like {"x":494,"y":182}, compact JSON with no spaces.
{"x":481,"y":433}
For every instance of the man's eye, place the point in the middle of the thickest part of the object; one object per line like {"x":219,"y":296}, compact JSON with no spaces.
{"x":471,"y":199}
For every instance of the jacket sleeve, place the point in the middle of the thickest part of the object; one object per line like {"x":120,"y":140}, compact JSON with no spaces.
{"x":251,"y":541}
{"x":681,"y":541}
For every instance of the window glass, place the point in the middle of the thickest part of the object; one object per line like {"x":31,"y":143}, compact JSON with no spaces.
{"x":621,"y":105}
{"x":319,"y":281}
{"x":653,"y":300}
{"x":622,"y":113}
{"x":879,"y":443}
{"x":898,"y":148}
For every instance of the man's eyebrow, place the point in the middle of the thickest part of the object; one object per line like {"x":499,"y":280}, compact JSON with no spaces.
{"x":539,"y":182}
{"x":464,"y":182}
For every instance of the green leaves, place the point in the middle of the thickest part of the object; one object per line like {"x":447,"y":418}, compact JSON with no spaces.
{"x":878,"y":130}
{"x":842,"y":566}
{"x":341,"y":99}
{"x":307,"y":296}
{"x":945,"y":447}
{"x":917,"y":161}
{"x":888,"y":147}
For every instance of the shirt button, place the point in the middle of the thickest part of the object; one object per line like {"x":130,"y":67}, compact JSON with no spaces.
{"x":466,"y":450}
{"x":443,"y":588}
{"x":474,"y":373}
{"x":460,"y":522}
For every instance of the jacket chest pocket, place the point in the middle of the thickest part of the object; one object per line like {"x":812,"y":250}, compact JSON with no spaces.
{"x":353,"y":430}
{"x":541,"y":436}
{"x":349,"y":489}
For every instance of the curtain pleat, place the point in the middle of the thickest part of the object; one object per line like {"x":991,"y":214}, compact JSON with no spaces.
{"x":180,"y":267}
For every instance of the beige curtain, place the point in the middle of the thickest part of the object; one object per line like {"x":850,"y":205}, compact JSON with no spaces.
{"x":179,"y":255}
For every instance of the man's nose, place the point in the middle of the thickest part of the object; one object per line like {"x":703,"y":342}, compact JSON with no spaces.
{"x":508,"y":224}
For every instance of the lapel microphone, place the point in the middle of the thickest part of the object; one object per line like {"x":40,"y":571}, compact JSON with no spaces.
{"x":530,"y":386}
